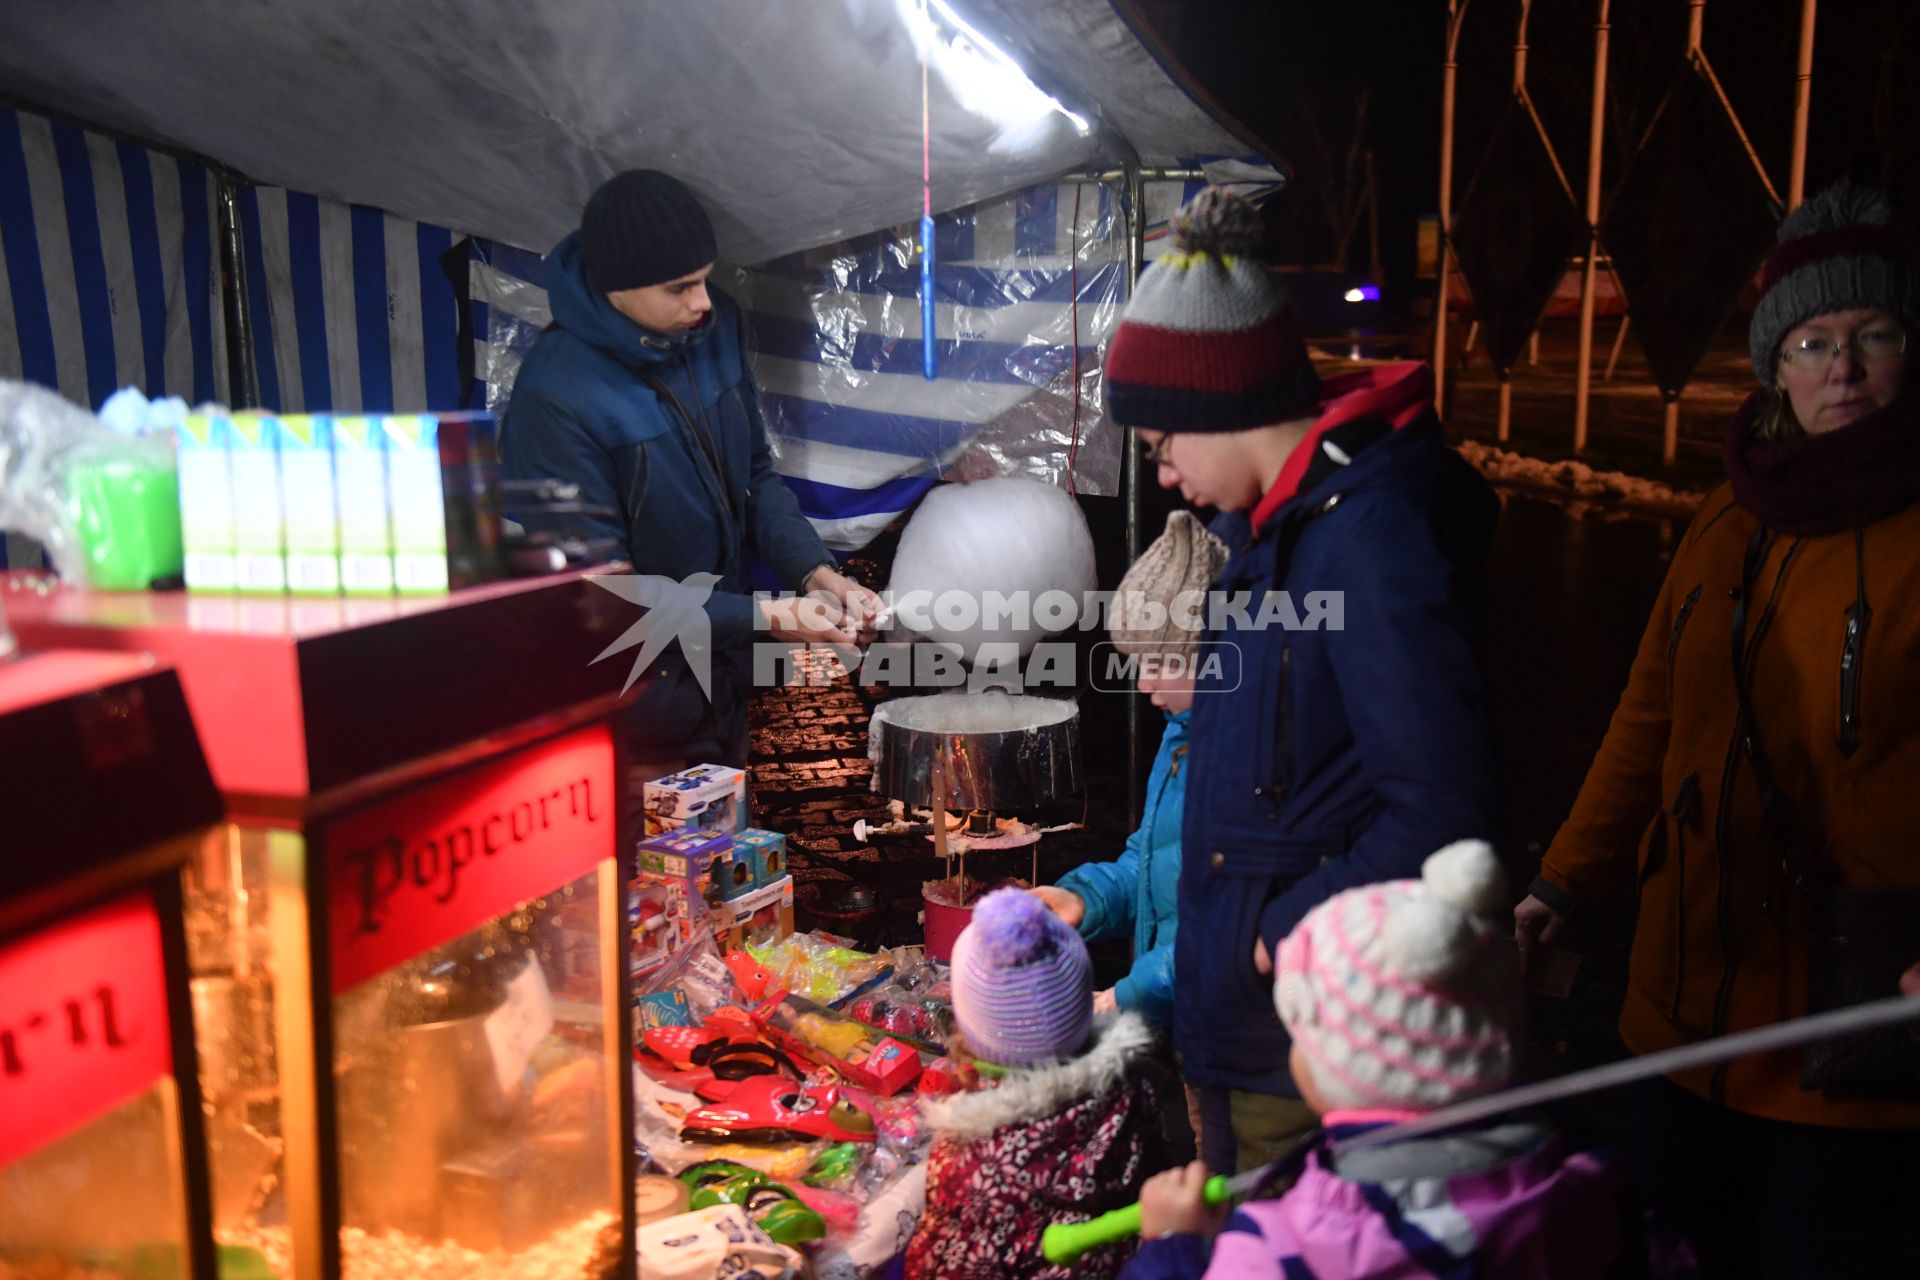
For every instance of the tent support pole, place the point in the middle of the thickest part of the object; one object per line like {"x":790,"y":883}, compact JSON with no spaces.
{"x":1456,"y":11}
{"x":243,"y":382}
{"x":1596,"y":133}
{"x":1802,"y":100}
{"x":1130,"y":466}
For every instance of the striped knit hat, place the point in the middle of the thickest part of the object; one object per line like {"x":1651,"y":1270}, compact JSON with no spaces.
{"x":1209,"y":341}
{"x":1836,"y":252}
{"x":1022,"y":982}
{"x":1160,"y":607}
{"x":1406,"y":994}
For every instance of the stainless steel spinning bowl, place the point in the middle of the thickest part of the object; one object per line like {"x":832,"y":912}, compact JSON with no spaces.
{"x":1004,"y":771}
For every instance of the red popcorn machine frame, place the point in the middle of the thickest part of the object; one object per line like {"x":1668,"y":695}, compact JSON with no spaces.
{"x":407,"y":939}
{"x":102,"y":1155}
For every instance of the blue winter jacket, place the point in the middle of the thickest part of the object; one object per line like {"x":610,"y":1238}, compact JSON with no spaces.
{"x":1141,"y":888}
{"x":583,"y":411}
{"x":1326,"y":758}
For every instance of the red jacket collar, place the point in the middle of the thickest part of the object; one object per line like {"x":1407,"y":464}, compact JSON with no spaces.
{"x":1397,"y":392}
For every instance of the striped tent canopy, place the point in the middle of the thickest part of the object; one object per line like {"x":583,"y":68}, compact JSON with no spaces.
{"x":1028,"y":289}
{"x":374,"y":166}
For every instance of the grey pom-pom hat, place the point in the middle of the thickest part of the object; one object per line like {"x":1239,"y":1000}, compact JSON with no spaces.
{"x":1836,"y":252}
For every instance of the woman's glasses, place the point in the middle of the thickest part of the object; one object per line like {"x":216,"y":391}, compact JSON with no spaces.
{"x":1816,"y":352}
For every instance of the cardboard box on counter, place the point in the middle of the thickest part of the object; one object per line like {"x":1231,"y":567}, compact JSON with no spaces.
{"x":711,"y":796}
{"x":764,"y":914}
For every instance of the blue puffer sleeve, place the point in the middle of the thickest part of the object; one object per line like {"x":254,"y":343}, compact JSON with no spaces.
{"x":776,"y":531}
{"x":544,"y":439}
{"x":1109,"y":890}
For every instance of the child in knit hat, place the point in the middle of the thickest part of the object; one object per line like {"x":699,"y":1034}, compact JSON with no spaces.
{"x":1402,"y":998}
{"x":1158,"y":617}
{"x":1070,"y":1131}
{"x":1349,"y":734}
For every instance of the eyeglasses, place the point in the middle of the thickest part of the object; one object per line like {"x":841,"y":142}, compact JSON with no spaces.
{"x":1816,"y":353}
{"x":1157,"y":455}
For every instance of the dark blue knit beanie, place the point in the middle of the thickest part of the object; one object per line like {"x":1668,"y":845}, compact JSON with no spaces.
{"x":643,"y":227}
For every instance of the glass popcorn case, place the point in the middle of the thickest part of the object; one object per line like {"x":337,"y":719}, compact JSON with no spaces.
{"x":102,"y":1170}
{"x":404,"y":939}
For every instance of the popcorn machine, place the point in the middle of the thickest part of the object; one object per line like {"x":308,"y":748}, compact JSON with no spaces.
{"x":102,"y":1159}
{"x":406,"y":940}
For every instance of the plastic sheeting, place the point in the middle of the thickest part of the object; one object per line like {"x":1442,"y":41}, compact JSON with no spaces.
{"x":1028,"y":289}
{"x":797,"y":121}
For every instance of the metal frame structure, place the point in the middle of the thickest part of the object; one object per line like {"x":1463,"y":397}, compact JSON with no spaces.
{"x":1697,"y":61}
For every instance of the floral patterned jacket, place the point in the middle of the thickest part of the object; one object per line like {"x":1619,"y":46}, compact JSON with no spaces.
{"x":1059,"y":1143}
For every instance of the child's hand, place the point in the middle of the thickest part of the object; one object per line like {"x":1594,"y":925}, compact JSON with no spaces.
{"x":1065,"y":903}
{"x":1105,"y":1002}
{"x":1175,"y":1201}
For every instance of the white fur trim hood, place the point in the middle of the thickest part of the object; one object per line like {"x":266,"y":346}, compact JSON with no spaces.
{"x":1031,"y":1093}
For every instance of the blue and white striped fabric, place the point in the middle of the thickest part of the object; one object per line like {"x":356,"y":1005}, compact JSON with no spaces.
{"x":858,"y":433}
{"x":351,"y":309}
{"x":109,"y":266}
{"x":109,"y":272}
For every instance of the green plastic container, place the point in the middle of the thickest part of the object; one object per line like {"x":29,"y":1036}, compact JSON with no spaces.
{"x":126,"y":513}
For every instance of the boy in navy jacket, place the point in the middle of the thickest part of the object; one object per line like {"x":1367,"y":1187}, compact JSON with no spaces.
{"x":1345,"y":735}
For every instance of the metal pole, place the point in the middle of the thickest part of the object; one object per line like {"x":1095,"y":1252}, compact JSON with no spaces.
{"x":1136,"y":263}
{"x":1696,"y":15}
{"x":1619,"y":341}
{"x":1589,"y":280}
{"x":1456,"y":10}
{"x":1802,"y":103}
{"x":1506,"y":407}
{"x":243,"y":381}
{"x":1520,"y":49}
{"x":1670,"y":443}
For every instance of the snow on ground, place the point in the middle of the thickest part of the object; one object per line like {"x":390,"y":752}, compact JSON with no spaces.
{"x":1574,"y":479}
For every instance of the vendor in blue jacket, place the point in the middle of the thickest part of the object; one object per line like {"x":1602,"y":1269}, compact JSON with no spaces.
{"x":1352,"y":737}
{"x":640,"y":394}
{"x":1158,"y":615}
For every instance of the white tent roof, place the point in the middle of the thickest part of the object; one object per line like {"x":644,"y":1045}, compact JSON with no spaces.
{"x":798,"y":121}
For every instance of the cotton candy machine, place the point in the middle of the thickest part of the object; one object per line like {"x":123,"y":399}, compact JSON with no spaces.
{"x":973,"y":761}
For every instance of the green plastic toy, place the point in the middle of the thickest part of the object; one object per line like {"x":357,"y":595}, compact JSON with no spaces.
{"x":1063,"y":1243}
{"x":771,"y":1204}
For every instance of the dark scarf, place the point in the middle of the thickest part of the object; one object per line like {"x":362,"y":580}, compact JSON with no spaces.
{"x":1844,"y":479}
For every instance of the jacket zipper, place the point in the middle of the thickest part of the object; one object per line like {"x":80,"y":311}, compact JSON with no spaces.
{"x":1685,"y":805}
{"x":1673,"y":637}
{"x":1283,"y":741}
{"x":1853,"y":652}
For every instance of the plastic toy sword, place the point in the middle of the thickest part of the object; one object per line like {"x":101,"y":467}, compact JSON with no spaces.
{"x":1064,"y":1243}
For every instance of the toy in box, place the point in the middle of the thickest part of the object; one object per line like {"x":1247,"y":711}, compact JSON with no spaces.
{"x":814,"y":1033}
{"x":764,"y":852}
{"x":762,"y":917}
{"x":709,"y":796}
{"x":677,"y":889}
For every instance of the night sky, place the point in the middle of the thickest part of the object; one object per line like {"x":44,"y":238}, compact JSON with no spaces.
{"x":1292,"y":73}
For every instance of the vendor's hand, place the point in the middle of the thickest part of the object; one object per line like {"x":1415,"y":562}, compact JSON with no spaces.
{"x":1105,"y":1002}
{"x":1536,"y":926}
{"x":1176,"y":1201}
{"x":1262,"y":958}
{"x":1065,"y":903}
{"x":863,"y":607}
{"x":808,"y":619}
{"x":1910,"y":981}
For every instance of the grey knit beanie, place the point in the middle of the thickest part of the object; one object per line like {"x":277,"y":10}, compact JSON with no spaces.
{"x":1161,"y":606}
{"x":1836,"y":252}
